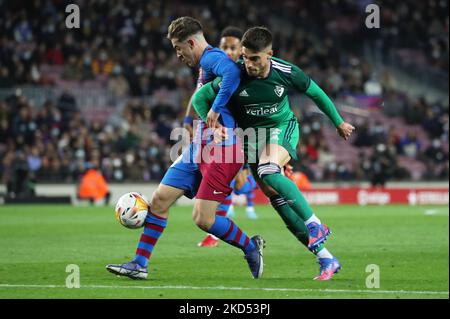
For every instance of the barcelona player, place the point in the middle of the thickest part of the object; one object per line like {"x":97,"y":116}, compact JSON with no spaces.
{"x":204,"y":170}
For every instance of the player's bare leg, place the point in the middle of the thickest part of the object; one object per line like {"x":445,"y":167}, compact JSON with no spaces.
{"x":163,"y":198}
{"x":204,"y":213}
{"x":155,"y":223}
{"x":240,"y":179}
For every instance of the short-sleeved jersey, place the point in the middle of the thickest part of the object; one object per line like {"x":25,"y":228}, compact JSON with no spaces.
{"x":263,"y":102}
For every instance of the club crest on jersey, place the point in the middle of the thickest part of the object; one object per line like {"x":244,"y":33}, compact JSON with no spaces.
{"x":279,"y":90}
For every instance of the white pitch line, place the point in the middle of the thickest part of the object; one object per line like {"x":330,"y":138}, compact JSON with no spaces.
{"x":433,"y":212}
{"x":374,"y":291}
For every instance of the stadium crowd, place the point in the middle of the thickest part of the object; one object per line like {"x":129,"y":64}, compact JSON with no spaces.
{"x":123,"y":47}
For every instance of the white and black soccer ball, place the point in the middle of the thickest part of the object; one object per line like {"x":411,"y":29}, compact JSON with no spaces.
{"x":132,"y":209}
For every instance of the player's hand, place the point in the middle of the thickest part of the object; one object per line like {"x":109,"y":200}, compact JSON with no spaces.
{"x":345,"y":130}
{"x":220,"y":133}
{"x":212,"y":119}
{"x":288,"y":170}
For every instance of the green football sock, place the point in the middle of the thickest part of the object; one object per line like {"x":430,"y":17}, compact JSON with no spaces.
{"x":295,"y":225}
{"x":289,"y":191}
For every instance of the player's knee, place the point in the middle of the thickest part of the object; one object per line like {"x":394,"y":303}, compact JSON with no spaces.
{"x":267,"y":169}
{"x":201,"y":219}
{"x":240,"y":180}
{"x":159,"y":203}
{"x":238,"y":185}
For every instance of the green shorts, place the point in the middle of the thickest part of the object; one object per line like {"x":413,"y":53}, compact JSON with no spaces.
{"x":287,"y":134}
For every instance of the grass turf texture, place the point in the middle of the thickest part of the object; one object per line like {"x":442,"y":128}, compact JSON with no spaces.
{"x":38,"y":242}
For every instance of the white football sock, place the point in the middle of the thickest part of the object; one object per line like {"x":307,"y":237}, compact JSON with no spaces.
{"x":324,"y":253}
{"x":313,"y":218}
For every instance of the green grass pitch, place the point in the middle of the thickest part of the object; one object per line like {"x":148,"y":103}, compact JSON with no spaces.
{"x":409,"y":245}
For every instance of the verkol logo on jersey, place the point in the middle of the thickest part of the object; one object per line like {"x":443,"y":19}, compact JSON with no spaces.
{"x":261,"y":110}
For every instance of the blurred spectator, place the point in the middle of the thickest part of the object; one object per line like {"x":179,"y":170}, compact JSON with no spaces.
{"x":102,"y":64}
{"x":93,"y":186}
{"x":20,"y":183}
{"x":435,"y":152}
{"x":410,"y":145}
{"x":72,"y":70}
{"x":117,"y":84}
{"x":5,"y":79}
{"x":415,"y":113}
{"x":67,"y":105}
{"x":377,"y":133}
{"x":433,"y":123}
{"x":382,"y":165}
{"x":324,"y":155}
{"x":363,"y":136}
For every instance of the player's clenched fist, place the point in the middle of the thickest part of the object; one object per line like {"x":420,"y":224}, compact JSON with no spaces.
{"x":220,"y":133}
{"x":345,"y":130}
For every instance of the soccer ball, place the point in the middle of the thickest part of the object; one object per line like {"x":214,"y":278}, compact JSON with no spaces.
{"x":132,"y":209}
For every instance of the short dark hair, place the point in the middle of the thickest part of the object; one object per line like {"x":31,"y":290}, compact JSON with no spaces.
{"x":232,"y":31}
{"x":183,"y":27}
{"x":257,"y":38}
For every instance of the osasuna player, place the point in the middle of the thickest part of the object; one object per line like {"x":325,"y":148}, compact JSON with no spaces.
{"x":261,"y":102}
{"x":244,"y":183}
{"x":208,"y":179}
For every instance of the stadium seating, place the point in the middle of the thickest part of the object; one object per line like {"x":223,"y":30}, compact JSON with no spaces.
{"x":139,"y":60}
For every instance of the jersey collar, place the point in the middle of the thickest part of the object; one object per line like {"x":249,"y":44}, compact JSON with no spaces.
{"x":209,"y":47}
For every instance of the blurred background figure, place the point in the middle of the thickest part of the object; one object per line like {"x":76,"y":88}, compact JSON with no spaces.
{"x":20,"y":182}
{"x":93,"y":186}
{"x":301,"y":181}
{"x":382,"y":164}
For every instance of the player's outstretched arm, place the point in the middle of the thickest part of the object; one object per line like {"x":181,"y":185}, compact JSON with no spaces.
{"x":304,"y":84}
{"x":325,"y":104}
